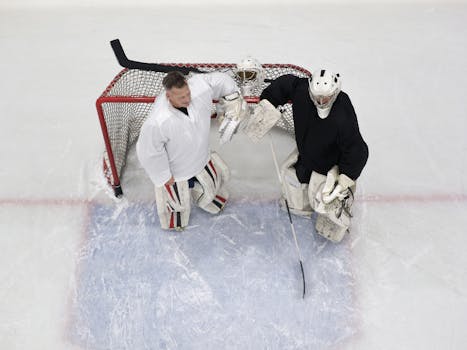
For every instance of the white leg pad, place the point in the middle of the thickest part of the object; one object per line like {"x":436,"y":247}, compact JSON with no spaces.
{"x":315,"y":188}
{"x":173,"y":205}
{"x":333,"y":219}
{"x":209,"y":192}
{"x":334,"y":224}
{"x":295,"y":192}
{"x":216,"y":205}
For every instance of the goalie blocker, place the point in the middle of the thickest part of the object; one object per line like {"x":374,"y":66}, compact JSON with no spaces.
{"x":333,"y":212}
{"x":264,"y":117}
{"x":173,"y":202}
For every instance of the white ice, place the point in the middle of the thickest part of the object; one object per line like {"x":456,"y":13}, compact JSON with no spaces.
{"x":403,"y":65}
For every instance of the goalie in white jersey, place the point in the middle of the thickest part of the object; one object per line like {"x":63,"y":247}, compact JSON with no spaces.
{"x":173,"y":146}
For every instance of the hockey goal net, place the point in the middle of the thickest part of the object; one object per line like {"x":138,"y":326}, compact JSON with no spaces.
{"x":125,"y":104}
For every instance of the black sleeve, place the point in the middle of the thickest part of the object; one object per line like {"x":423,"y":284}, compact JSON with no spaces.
{"x":280,"y":91}
{"x":354,"y":150}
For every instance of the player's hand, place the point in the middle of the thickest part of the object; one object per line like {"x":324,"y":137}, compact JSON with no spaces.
{"x":340,"y":191}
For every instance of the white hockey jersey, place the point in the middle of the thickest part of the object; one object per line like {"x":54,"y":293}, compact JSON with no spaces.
{"x":174,"y":144}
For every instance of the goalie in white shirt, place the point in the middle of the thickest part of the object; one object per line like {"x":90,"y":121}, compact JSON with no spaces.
{"x":173,"y":146}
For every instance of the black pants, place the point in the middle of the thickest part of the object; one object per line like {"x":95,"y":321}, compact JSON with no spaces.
{"x":303,"y":173}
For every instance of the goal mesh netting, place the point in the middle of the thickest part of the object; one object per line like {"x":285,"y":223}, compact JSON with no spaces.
{"x":125,"y":104}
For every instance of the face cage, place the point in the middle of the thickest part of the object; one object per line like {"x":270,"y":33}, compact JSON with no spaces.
{"x":246,"y":75}
{"x":323,"y":101}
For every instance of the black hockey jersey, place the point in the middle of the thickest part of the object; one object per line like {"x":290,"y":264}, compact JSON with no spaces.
{"x":321,"y":143}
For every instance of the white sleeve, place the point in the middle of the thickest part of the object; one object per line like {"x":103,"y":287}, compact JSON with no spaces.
{"x":221,"y":84}
{"x":152,"y":155}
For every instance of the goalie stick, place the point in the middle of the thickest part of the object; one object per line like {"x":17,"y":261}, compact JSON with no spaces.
{"x":274,"y":157}
{"x":155,"y":67}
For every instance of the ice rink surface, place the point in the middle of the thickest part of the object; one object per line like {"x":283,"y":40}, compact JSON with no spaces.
{"x":82,"y":270}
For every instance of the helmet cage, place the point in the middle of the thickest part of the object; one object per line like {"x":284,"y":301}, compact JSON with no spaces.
{"x":324,"y":86}
{"x":324,"y":101}
{"x":246,"y":75}
{"x":249,"y":75}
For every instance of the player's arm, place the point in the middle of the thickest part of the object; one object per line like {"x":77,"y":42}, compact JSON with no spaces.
{"x":232,"y":109}
{"x":354,"y":154}
{"x":354,"y":151}
{"x":266,"y":115}
{"x":280,"y":91}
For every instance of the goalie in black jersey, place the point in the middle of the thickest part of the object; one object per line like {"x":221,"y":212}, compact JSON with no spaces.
{"x":320,"y":174}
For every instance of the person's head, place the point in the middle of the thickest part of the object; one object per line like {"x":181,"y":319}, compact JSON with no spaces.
{"x":176,"y":89}
{"x":249,"y":75}
{"x":324,"y":86}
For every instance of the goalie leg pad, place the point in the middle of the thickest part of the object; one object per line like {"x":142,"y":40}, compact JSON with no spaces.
{"x":295,"y":192}
{"x":315,"y":188}
{"x":334,"y":224}
{"x":213,"y":207}
{"x":333,"y":219}
{"x":209,"y":192}
{"x":219,"y":166}
{"x":173,"y":205}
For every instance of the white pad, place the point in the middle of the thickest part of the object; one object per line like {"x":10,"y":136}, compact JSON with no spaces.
{"x":295,"y":192}
{"x":173,"y":205}
{"x":315,"y":190}
{"x":337,"y":186}
{"x":209,"y":192}
{"x":333,"y":219}
{"x":232,"y":110}
{"x":213,"y":207}
{"x":336,"y":222}
{"x":330,"y":184}
{"x":264,"y":117}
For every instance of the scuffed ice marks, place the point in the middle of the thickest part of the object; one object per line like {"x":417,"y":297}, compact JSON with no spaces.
{"x":230,"y":281}
{"x":185,"y":301}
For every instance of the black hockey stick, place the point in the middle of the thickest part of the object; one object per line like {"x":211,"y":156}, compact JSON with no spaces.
{"x":155,"y":67}
{"x":274,"y":157}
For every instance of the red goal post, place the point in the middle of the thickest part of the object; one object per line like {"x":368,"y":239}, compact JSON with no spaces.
{"x":125,"y":104}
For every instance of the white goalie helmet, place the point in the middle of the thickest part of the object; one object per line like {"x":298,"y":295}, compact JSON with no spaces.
{"x":324,"y":86}
{"x":250,"y":75}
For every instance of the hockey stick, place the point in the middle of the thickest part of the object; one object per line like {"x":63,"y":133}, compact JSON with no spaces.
{"x":274,"y":157}
{"x":155,"y":67}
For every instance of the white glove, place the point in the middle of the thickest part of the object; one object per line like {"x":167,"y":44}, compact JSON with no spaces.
{"x":332,"y":190}
{"x":235,"y":111}
{"x":331,"y":181}
{"x":264,"y":117}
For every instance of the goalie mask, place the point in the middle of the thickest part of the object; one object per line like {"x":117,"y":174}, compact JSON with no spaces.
{"x":250,"y":75}
{"x":324,"y":86}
